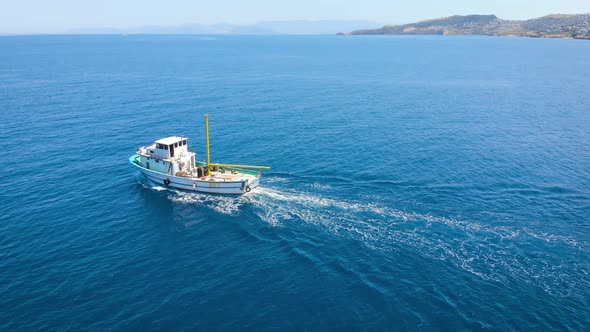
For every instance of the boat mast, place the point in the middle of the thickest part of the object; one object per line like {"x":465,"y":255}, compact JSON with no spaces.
{"x":207,"y":142}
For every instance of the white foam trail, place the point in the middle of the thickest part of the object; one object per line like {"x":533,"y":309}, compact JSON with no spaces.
{"x":274,"y":179}
{"x":158,"y":188}
{"x":497,"y":253}
{"x":227,"y":205}
{"x":320,"y":186}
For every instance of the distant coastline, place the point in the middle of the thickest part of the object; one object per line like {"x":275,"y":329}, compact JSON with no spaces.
{"x":551,"y":26}
{"x":293,"y":27}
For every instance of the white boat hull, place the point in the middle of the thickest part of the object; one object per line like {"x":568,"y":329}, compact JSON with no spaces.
{"x":191,"y":184}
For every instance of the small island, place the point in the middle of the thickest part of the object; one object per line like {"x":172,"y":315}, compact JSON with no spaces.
{"x":551,"y":26}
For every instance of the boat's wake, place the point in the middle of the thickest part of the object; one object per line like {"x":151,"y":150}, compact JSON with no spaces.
{"x":498,"y":253}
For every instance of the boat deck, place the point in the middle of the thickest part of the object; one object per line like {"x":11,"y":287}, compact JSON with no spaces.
{"x":224,"y":177}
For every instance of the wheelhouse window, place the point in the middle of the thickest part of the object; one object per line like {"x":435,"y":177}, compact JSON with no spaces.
{"x":184,"y":142}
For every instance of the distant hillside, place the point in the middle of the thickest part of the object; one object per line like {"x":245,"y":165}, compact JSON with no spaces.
{"x":300,"y":27}
{"x":551,"y":26}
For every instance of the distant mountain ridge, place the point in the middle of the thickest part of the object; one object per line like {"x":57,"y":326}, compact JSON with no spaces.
{"x":550,"y":26}
{"x":262,"y":28}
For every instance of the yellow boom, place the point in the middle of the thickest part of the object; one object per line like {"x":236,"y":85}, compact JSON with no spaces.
{"x":241,"y":166}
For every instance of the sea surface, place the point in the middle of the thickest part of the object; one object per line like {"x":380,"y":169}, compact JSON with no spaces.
{"x":417,"y":183}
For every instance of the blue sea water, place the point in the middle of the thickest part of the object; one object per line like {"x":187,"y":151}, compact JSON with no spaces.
{"x":417,"y":183}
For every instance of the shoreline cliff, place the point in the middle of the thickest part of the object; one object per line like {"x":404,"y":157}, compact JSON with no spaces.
{"x":550,"y":26}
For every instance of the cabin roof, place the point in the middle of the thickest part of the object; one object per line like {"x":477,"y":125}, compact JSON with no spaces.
{"x":170,"y":140}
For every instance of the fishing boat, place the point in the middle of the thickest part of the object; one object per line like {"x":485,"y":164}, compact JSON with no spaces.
{"x":169,"y":162}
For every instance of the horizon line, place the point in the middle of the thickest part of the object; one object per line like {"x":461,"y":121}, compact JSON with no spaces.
{"x":72,"y":31}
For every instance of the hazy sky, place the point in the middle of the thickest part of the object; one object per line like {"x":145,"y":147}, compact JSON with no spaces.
{"x":51,"y":16}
